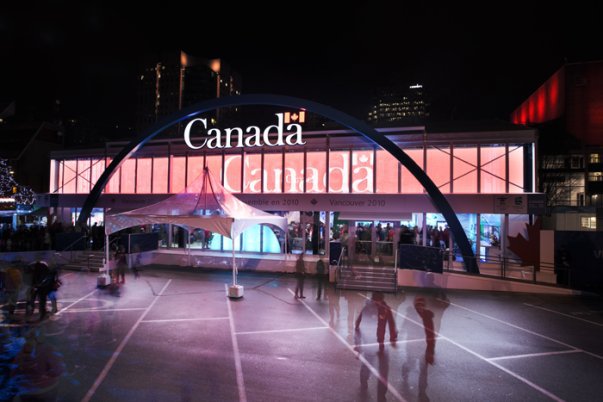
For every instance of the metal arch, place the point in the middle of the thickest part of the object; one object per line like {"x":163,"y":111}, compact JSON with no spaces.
{"x":360,"y":127}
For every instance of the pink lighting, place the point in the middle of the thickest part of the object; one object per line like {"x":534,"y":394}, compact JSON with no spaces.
{"x":348,"y":171}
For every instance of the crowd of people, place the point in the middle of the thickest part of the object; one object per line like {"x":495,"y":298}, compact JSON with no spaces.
{"x":35,"y":237}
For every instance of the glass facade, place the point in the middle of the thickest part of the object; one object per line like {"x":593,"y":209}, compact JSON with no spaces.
{"x":455,"y":167}
{"x":484,"y":169}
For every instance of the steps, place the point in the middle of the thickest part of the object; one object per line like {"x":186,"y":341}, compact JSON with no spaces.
{"x":88,"y":261}
{"x":383,"y":279}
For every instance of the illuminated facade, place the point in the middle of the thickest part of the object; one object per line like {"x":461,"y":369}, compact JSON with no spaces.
{"x":568,"y":111}
{"x":337,"y":180}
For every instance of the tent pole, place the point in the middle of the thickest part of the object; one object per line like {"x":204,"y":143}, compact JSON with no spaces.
{"x":234,"y":264}
{"x":189,"y":246}
{"x":106,"y":251}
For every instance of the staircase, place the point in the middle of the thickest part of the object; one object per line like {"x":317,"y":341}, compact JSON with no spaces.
{"x":88,"y":261}
{"x":384,"y":279}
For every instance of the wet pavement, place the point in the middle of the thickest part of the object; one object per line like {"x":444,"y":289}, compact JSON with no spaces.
{"x":173,"y":335}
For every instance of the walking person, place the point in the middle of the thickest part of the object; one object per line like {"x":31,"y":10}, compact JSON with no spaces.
{"x":121,"y":262}
{"x":300,"y":273}
{"x":384,"y":318}
{"x":320,"y":277}
{"x":12,"y":284}
{"x":53,"y":283}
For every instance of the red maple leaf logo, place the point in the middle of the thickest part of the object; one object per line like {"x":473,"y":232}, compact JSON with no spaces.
{"x":528,"y":250}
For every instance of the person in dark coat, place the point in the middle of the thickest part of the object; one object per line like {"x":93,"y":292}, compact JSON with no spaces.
{"x":384,"y":318}
{"x":300,"y":273}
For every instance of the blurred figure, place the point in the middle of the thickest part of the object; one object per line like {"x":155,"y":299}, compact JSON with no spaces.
{"x":40,"y":288}
{"x":37,"y":369}
{"x":320,"y":276}
{"x":121,"y":263}
{"x":355,"y":305}
{"x":384,"y":318}
{"x":430,"y":307}
{"x":300,"y":273}
{"x":12,"y":284}
{"x":53,"y":283}
{"x":332,"y":294}
{"x":382,"y":364}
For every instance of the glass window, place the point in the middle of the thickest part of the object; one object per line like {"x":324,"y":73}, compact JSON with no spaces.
{"x":270,"y":239}
{"x":316,"y":170}
{"x":465,"y":171}
{"x":195,"y":168}
{"x":160,"y":175}
{"x":143,"y":176}
{"x":273,"y":172}
{"x":588,"y":222}
{"x":438,"y":167}
{"x":98,"y":167}
{"x":410,"y":185}
{"x":387,"y":173}
{"x":362,"y":171}
{"x":294,"y":169}
{"x":112,"y":186}
{"x":253,"y":173}
{"x":492,"y":169}
{"x":69,"y":176}
{"x":516,"y":169}
{"x":128,"y":176}
{"x":83,"y":176}
{"x":177,"y":174}
{"x":214,"y":164}
{"x":339,"y":173}
{"x":232,"y":176}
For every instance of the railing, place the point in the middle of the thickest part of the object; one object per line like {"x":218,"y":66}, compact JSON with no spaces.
{"x":511,"y":268}
{"x":69,"y":248}
{"x":339,"y":262}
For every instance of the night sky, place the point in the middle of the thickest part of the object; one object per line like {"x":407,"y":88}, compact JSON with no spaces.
{"x":475,"y":63}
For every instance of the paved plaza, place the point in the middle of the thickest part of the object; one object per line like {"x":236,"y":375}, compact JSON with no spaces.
{"x":173,"y":335}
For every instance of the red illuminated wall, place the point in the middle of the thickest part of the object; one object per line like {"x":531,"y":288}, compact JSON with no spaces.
{"x":584,"y":102}
{"x":574,"y":92}
{"x":545,"y":104}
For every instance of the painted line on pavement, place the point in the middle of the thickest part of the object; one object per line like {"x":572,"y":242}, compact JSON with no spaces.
{"x":359,"y":356}
{"x":188,"y":319}
{"x":565,"y":315}
{"x":273,"y":331}
{"x":498,"y":366}
{"x":562,"y":352}
{"x":63,"y":309}
{"x":93,"y":310}
{"x":235,"y":349}
{"x":101,"y":377}
{"x":527,"y":330}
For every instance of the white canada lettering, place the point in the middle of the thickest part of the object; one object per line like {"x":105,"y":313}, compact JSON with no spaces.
{"x":273,"y":135}
{"x":187,"y":133}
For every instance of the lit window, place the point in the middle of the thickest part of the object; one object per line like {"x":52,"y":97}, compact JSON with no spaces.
{"x":588,"y":222}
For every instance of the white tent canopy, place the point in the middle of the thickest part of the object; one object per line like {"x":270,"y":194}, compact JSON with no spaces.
{"x":204,"y":204}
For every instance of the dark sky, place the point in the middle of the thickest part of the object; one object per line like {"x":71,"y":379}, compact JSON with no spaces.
{"x":474,"y":62}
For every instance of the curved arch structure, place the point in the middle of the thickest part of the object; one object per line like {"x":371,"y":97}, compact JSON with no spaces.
{"x":360,"y":127}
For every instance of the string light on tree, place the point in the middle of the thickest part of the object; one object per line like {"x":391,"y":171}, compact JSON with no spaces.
{"x":9,"y":188}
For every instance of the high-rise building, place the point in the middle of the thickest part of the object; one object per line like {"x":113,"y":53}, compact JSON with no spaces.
{"x":178,"y":80}
{"x":399,"y":106}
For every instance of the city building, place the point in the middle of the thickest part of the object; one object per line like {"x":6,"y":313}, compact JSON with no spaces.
{"x":178,"y":80}
{"x":568,"y":111}
{"x":393,"y":106}
{"x":335,"y":181}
